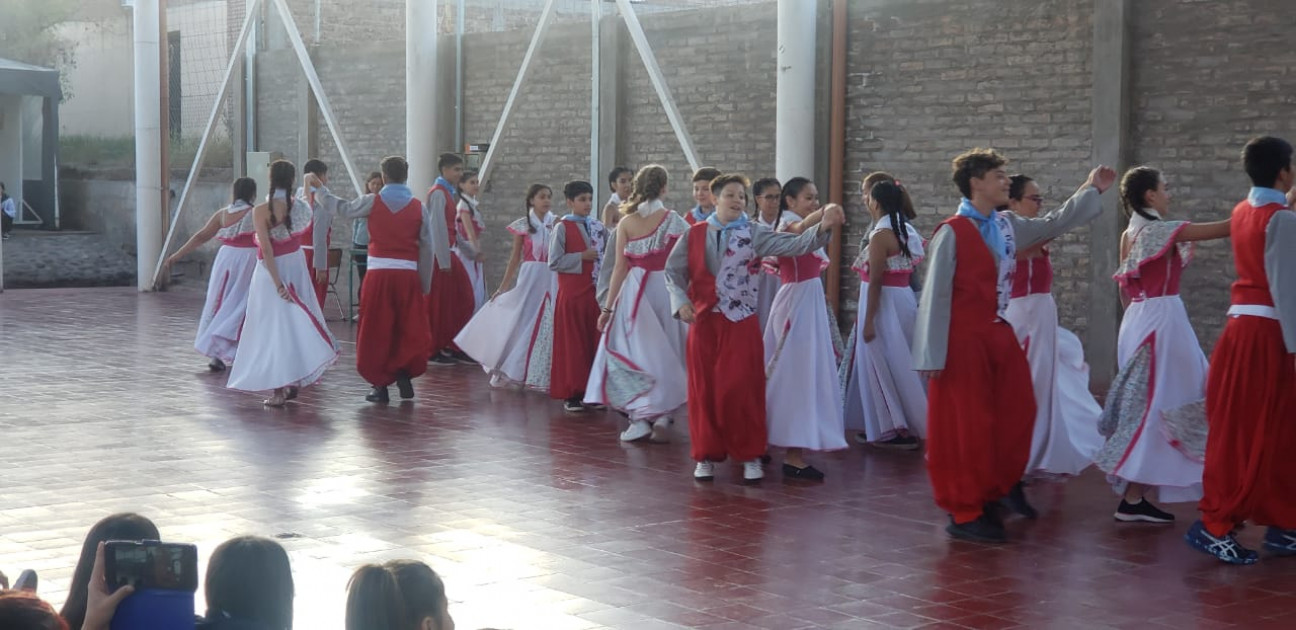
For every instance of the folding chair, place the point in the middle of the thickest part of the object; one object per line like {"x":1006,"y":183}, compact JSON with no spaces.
{"x":335,"y":273}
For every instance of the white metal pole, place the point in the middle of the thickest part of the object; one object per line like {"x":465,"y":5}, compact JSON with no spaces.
{"x":596,"y":16}
{"x":421,"y":99}
{"x":489,"y":161}
{"x":460,"y":25}
{"x":148,"y":141}
{"x":794,"y":118}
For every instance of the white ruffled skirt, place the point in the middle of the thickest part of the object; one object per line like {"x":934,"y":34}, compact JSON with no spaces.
{"x":512,"y":335}
{"x":803,"y":404}
{"x":227,"y":298}
{"x":476,"y":274}
{"x":885,"y":396}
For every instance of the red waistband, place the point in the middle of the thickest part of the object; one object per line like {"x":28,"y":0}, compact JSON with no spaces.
{"x":242,"y":240}
{"x":282,"y":248}
{"x":892,"y":279}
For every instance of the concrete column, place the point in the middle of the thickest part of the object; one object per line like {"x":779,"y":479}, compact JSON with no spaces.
{"x":148,"y":142}
{"x":422,"y":144}
{"x":308,"y":125}
{"x":1111,"y":104}
{"x":794,"y":133}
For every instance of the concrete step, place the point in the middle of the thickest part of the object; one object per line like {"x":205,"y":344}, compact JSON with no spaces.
{"x":48,"y":259}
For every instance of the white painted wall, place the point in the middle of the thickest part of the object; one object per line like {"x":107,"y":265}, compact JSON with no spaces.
{"x":11,"y":145}
{"x":101,"y":84}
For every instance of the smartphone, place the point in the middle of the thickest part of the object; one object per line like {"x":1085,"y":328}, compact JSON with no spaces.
{"x":149,"y":564}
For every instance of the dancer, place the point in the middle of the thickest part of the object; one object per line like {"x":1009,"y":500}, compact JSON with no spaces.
{"x":512,"y":335}
{"x":315,"y":244}
{"x":231,"y":273}
{"x":1066,"y":434}
{"x":392,"y":340}
{"x":702,"y":195}
{"x":640,"y":366}
{"x":470,"y":226}
{"x":1163,"y":369}
{"x":360,"y":232}
{"x":450,"y":304}
{"x":804,"y":401}
{"x":713,"y":286}
{"x":619,"y":181}
{"x":285,"y":344}
{"x":575,"y":248}
{"x":980,"y":407}
{"x":884,"y":395}
{"x":1250,"y":403}
{"x":767,"y":193}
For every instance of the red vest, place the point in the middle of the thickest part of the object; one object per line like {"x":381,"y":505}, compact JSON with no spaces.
{"x":974,"y":305}
{"x":576,"y":282}
{"x":702,"y":283}
{"x":395,"y":234}
{"x":451,"y":211}
{"x":1033,"y":275}
{"x":1248,"y":227}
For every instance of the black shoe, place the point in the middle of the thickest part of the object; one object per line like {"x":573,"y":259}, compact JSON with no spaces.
{"x":1143,"y":511}
{"x":405,"y":387}
{"x":460,"y":357}
{"x":982,"y":530}
{"x":1280,"y":542}
{"x":766,"y":459}
{"x":1016,"y":501}
{"x":574,"y":405}
{"x":897,"y":443}
{"x":809,"y":473}
{"x":291,"y":394}
{"x":993,"y":512}
{"x":216,"y":365}
{"x":441,"y":359}
{"x":378,"y":395}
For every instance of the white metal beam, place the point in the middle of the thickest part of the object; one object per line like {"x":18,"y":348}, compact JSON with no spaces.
{"x":596,"y":17}
{"x":489,"y":161}
{"x":659,"y":83}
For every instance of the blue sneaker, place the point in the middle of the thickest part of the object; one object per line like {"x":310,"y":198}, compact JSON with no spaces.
{"x":1226,"y":548}
{"x":1280,"y":542}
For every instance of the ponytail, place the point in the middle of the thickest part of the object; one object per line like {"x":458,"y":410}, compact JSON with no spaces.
{"x":890,"y":197}
{"x":649,"y":184}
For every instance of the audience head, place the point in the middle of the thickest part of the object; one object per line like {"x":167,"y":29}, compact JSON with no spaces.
{"x":1142,"y":188}
{"x":649,"y":184}
{"x":249,"y":579}
{"x":23,"y":610}
{"x":1268,"y":162}
{"x":980,"y":176}
{"x":126,"y":526}
{"x":398,"y":595}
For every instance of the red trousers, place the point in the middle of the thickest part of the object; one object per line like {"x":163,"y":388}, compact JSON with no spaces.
{"x":450,"y":304}
{"x":980,"y":420}
{"x":575,"y":341}
{"x":726,"y":388}
{"x":393,"y":334}
{"x":321,"y":286}
{"x":1250,"y":471}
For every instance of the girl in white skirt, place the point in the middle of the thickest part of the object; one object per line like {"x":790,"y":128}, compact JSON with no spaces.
{"x":802,"y":399}
{"x":1163,"y":371}
{"x":468,"y":246}
{"x":1066,"y":435}
{"x":767,"y":193}
{"x":512,"y":335}
{"x":884,"y":395}
{"x":640,"y":368}
{"x":285,"y":343}
{"x":231,"y":274}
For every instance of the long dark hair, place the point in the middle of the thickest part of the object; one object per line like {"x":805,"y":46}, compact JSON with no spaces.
{"x":1134,"y":186}
{"x":792,"y":189}
{"x":398,"y":594}
{"x":890,"y":198}
{"x":245,"y":190}
{"x":282,"y":177}
{"x":124,"y":526}
{"x":531,"y":194}
{"x":249,"y":578}
{"x":872,"y":180}
{"x":648,"y":184}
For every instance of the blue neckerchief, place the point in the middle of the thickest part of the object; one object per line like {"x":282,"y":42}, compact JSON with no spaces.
{"x":576,"y":218}
{"x":441,"y":181}
{"x":1261,"y":196}
{"x":698,"y":215}
{"x":396,"y":196}
{"x":739,"y":223}
{"x":988,"y":226}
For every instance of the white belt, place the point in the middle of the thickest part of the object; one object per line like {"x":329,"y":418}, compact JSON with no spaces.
{"x":1254,"y":310}
{"x":376,"y":262}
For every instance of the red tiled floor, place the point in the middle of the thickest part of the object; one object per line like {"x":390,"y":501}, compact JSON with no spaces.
{"x":539,"y":519}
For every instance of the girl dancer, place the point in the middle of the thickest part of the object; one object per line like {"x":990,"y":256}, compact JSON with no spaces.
{"x":1163,"y":368}
{"x":512,"y":335}
{"x":884,"y":395}
{"x":619,"y":183}
{"x":767,"y":193}
{"x":468,"y":246}
{"x":639,"y":369}
{"x":1066,"y":436}
{"x":804,"y":401}
{"x":285,"y":344}
{"x":227,"y":289}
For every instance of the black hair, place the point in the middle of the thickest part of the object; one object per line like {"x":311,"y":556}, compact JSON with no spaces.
{"x":975,"y":164}
{"x":616,"y":174}
{"x":249,"y":578}
{"x":124,"y":526}
{"x":446,"y":160}
{"x":1135,"y":186}
{"x":245,"y":190}
{"x":396,"y":595}
{"x":706,"y":174}
{"x":395,"y":169}
{"x":792,"y":189}
{"x":759,"y":187}
{"x":282,"y":176}
{"x":526,"y":209}
{"x":577,"y":188}
{"x":317,"y":167}
{"x":1264,"y":158}
{"x":890,"y":198}
{"x":1017,"y":186}
{"x":719,"y":182}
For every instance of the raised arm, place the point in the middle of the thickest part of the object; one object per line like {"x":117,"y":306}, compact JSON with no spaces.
{"x":931,"y":329}
{"x":1204,"y":231}
{"x":1081,"y":208}
{"x":207,"y":233}
{"x":767,"y":242}
{"x":1280,"y":268}
{"x":809,"y":221}
{"x":677,"y":279}
{"x":559,"y":260}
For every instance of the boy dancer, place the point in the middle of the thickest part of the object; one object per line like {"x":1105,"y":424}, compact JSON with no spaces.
{"x":316,"y":241}
{"x":392,"y":341}
{"x":575,"y":248}
{"x":1250,"y":404}
{"x":711,"y":275}
{"x":450,"y":304}
{"x":980,"y":417}
{"x":706,"y":202}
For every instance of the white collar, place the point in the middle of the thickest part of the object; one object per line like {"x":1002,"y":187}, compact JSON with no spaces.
{"x":647,"y":208}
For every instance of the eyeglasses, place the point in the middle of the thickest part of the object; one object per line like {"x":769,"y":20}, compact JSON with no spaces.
{"x":1036,"y":198}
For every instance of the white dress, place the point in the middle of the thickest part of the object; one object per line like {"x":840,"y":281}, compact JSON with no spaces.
{"x":803,"y":403}
{"x":1163,"y":369}
{"x":1066,"y":437}
{"x":221,"y":324}
{"x":285,"y":342}
{"x":640,"y":367}
{"x":884,"y":395}
{"x":466,"y":254}
{"x":512,"y":335}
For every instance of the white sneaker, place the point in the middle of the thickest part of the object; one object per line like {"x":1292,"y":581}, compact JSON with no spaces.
{"x":752,"y":471}
{"x":638,"y":430}
{"x":705,"y":471}
{"x":661,"y":430}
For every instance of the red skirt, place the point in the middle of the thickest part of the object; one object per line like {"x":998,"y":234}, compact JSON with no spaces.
{"x":449,"y":305}
{"x":1250,"y":468}
{"x":980,"y":421}
{"x":393,"y":334}
{"x":575,"y":341}
{"x":726,"y":388}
